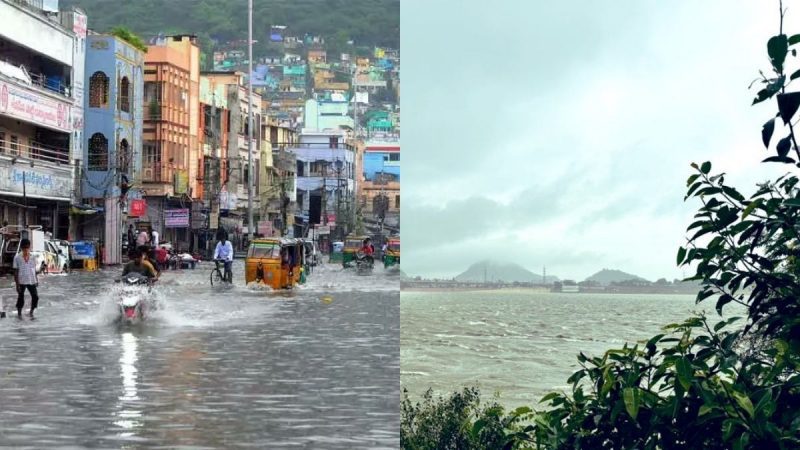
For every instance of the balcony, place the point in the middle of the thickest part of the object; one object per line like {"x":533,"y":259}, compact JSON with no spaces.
{"x":36,"y":152}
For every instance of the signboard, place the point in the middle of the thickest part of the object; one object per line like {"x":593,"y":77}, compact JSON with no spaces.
{"x":322,"y":229}
{"x":265,"y":228}
{"x":79,"y":25}
{"x":41,"y":182}
{"x":331,"y":219}
{"x":181,"y":181}
{"x":30,"y":106}
{"x":213,"y":221}
{"x":198,"y":218}
{"x":138,"y":208}
{"x":176,"y":218}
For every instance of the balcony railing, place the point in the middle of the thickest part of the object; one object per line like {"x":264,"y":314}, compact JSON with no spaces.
{"x":40,"y":80}
{"x":34,"y":152}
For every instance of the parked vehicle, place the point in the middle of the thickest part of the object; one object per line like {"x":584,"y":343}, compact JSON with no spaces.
{"x":391,"y":257}
{"x":46,"y":254}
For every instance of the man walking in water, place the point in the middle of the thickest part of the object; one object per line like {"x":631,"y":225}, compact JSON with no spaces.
{"x":25,"y":266}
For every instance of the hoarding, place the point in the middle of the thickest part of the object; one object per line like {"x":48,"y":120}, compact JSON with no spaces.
{"x":176,"y":218}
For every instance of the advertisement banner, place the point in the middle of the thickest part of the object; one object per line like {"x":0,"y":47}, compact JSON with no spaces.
{"x":181,"y":181}
{"x":176,"y":218}
{"x":138,"y":208}
{"x":30,"y":106}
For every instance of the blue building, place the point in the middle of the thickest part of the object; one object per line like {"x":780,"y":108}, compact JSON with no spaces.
{"x":114,"y":88}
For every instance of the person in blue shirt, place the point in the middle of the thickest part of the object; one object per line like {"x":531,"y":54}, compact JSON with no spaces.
{"x":224,"y":252}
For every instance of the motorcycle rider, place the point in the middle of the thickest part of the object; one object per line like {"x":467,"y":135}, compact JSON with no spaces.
{"x":224,"y":251}
{"x":140,"y":265}
{"x":367,"y":250}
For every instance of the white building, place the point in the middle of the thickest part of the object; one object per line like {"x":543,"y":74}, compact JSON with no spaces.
{"x":41,"y":65}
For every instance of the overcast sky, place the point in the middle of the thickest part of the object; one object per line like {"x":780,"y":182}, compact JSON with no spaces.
{"x":560,"y":133}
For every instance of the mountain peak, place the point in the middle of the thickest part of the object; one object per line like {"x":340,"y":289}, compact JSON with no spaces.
{"x":492,"y":270}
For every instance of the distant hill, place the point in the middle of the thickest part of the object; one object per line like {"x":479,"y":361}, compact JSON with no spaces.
{"x":496,"y":271}
{"x":608,"y":276}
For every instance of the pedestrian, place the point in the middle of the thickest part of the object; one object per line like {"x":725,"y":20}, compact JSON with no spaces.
{"x":131,"y":237}
{"x":153,"y":243}
{"x":25,"y":277}
{"x":142,"y":239}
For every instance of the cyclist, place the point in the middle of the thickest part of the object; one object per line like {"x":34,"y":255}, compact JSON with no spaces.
{"x":224,"y":252}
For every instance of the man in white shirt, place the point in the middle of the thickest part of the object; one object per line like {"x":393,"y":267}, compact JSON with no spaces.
{"x":154,"y":239}
{"x":25,"y":266}
{"x":224,"y":251}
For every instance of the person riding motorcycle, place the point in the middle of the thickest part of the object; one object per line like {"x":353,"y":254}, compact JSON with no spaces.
{"x":367,"y":250}
{"x":141,"y":266}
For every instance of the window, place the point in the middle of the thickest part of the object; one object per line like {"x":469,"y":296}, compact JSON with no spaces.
{"x":300,"y":167}
{"x":397,"y":201}
{"x":2,"y":141}
{"x":124,"y":95}
{"x":98,"y":152}
{"x":333,"y":142}
{"x":98,"y":90}
{"x":123,"y":155}
{"x":394,"y":156}
{"x":14,"y":145}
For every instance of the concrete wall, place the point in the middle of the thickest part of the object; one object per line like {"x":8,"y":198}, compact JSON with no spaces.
{"x":35,"y":31}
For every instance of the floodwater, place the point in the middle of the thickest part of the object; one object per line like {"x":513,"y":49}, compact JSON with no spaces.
{"x":217,"y":367}
{"x":521,"y":344}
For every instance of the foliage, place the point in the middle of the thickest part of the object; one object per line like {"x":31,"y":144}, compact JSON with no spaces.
{"x":456,"y":422}
{"x":732,"y":384}
{"x":367,"y":22}
{"x":128,"y":36}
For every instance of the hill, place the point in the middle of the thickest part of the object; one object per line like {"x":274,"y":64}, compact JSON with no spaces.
{"x":495,"y":271}
{"x":366,"y":22}
{"x":608,"y":276}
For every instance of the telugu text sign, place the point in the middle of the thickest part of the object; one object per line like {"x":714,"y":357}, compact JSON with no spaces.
{"x":30,"y":106}
{"x":176,"y":218}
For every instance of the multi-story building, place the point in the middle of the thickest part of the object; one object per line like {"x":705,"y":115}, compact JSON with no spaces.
{"x":40,"y":60}
{"x":325,"y":181}
{"x":170,"y":148}
{"x":233,"y":195}
{"x":113,"y":133}
{"x":332,"y":113}
{"x":379,"y":185}
{"x":278,"y":180}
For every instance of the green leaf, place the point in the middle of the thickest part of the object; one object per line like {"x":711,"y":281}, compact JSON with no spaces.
{"x":722,"y":301}
{"x":795,"y":75}
{"x":772,"y":88}
{"x":633,"y":398}
{"x":792,"y":202}
{"x":684,"y":371}
{"x":766,"y":131}
{"x":727,"y":428}
{"x":681,"y":255}
{"x":692,"y":179}
{"x":750,"y":207}
{"x":744,"y":402}
{"x":780,"y":159}
{"x":733,"y":193}
{"x":794,"y":39}
{"x":706,"y":167}
{"x":784,"y":146}
{"x":549,"y":397}
{"x":787,"y":105}
{"x":705,"y":409}
{"x":777,"y":47}
{"x":692,"y":189}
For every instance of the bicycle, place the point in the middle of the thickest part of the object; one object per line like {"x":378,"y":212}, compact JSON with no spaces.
{"x":217,"y":275}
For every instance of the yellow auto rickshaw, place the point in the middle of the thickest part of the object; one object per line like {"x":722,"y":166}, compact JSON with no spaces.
{"x":352,"y":245}
{"x":392,"y":255}
{"x":276,"y":262}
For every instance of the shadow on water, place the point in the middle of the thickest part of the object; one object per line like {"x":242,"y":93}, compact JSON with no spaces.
{"x":213,"y":367}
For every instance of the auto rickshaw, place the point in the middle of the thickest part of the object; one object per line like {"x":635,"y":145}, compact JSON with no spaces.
{"x":392,"y":255}
{"x":352,"y":244}
{"x":276,"y":262}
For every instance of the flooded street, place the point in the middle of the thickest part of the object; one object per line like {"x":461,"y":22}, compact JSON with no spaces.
{"x":217,"y":367}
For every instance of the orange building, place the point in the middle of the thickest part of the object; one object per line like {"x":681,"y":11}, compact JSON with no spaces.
{"x":170,"y":150}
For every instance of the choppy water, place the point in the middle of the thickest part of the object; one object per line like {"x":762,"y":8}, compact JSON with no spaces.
{"x":520,"y":344}
{"x":229,"y":367}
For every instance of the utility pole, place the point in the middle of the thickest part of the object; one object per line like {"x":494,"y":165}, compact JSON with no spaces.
{"x":250,"y":121}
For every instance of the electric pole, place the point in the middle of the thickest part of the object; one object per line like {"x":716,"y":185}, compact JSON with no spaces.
{"x":250,"y":121}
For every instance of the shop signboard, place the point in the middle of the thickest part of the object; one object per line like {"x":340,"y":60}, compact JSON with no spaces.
{"x":138,"y":208}
{"x":31,"y":106}
{"x":176,"y":218}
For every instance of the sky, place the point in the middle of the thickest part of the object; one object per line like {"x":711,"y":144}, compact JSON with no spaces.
{"x":561,"y":134}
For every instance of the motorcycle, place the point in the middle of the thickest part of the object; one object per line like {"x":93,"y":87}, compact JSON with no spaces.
{"x":364,"y":263}
{"x":132,"y":303}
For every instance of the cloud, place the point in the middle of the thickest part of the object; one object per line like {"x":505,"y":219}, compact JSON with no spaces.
{"x":561,"y":133}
